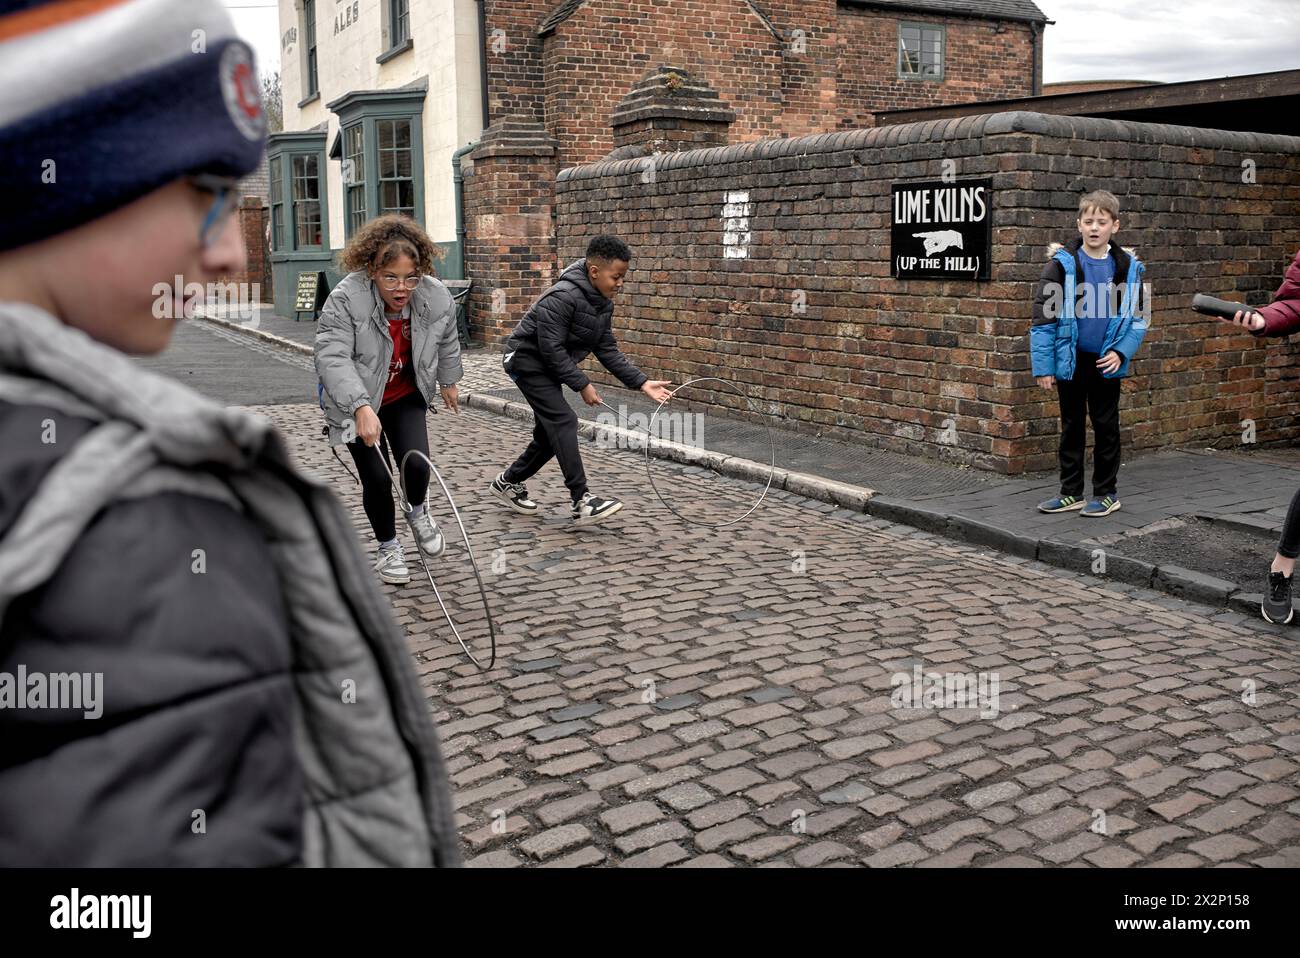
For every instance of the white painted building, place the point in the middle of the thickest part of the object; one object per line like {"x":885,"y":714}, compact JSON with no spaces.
{"x":380,"y":93}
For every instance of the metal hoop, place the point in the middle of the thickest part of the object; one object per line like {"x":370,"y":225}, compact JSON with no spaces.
{"x":399,"y":484}
{"x":649,"y":430}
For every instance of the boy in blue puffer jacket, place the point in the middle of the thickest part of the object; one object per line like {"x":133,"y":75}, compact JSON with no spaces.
{"x":1090,"y":316}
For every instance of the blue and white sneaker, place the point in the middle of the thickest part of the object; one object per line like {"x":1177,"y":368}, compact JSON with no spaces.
{"x":1101,"y":507}
{"x":1061,"y":504}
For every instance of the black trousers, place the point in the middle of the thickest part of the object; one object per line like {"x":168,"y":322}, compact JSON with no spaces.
{"x":555,"y":432}
{"x":1289,"y":547}
{"x":1089,"y":395}
{"x":404,"y":429}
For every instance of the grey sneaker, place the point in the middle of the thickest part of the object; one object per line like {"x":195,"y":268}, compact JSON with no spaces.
{"x":591,"y":509}
{"x":1276,"y":606}
{"x":391,"y":566}
{"x":428,"y":537}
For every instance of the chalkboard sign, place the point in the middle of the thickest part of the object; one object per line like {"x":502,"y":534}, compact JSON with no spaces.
{"x":941,"y":230}
{"x":311,"y":293}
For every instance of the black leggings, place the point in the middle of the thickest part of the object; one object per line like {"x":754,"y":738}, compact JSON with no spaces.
{"x":404,"y":429}
{"x":1289,"y":546}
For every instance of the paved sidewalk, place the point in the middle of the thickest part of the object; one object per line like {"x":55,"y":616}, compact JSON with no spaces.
{"x":262,"y":321}
{"x":265,"y":319}
{"x":1249,"y":491}
{"x":668,"y":694}
{"x":1238,"y":490}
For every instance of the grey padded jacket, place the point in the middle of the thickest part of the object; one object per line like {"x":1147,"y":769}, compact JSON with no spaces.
{"x":353,"y":347}
{"x":274,"y":691}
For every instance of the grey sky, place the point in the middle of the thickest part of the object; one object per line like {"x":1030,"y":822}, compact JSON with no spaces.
{"x":1169,"y":40}
{"x":258,"y":22}
{"x":1165,"y":40}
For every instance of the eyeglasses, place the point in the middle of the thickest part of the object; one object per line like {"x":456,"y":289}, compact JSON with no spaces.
{"x":391,"y":283}
{"x":225,"y":193}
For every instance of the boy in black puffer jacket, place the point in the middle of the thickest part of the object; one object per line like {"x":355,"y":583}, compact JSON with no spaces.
{"x":570,"y":320}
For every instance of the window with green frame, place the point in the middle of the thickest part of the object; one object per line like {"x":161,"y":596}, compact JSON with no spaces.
{"x":306,"y":200}
{"x":920,"y":51}
{"x":354,"y":176}
{"x":380,"y":144}
{"x":309,"y":30}
{"x":399,"y":14}
{"x":396,"y":172}
{"x":277,"y":206}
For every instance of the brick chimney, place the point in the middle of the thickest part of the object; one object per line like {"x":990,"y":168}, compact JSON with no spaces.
{"x":668,"y":112}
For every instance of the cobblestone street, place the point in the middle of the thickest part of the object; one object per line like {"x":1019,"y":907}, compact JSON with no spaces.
{"x":673,"y":695}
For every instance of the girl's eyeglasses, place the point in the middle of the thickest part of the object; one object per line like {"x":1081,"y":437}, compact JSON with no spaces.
{"x":225,"y":200}
{"x":391,"y":283}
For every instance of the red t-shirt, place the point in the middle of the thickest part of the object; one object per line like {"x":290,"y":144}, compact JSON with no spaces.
{"x":401,"y":376}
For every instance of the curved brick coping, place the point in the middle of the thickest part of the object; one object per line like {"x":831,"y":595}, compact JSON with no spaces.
{"x":953,"y":128}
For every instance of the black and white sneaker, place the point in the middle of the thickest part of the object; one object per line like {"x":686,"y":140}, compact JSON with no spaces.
{"x":590,"y":509}
{"x":513,"y":494}
{"x":1276,"y":606}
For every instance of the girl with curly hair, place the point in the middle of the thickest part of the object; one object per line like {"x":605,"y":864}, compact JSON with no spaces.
{"x":387,"y":338}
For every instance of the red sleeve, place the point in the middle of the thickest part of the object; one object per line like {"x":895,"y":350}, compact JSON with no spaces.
{"x":1282,"y":315}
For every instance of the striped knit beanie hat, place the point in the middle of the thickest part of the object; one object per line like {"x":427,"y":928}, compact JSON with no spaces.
{"x":104,"y":101}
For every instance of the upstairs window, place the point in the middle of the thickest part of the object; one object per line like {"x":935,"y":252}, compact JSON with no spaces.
{"x":399,"y":13}
{"x":309,"y":31}
{"x":920,"y":51}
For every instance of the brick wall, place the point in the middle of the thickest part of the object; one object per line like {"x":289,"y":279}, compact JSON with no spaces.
{"x":593,"y":59}
{"x":979,"y":64}
{"x":899,"y":363}
{"x":250,"y":220}
{"x":509,"y":228}
{"x":809,"y":30}
{"x":787,"y":67}
{"x":516,"y":85}
{"x":784,"y":67}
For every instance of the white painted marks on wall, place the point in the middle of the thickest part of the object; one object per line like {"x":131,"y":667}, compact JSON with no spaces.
{"x":736,"y":211}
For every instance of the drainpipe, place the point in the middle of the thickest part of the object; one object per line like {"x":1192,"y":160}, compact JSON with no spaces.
{"x":482,"y":61}
{"x":458,"y":182}
{"x":457,"y":179}
{"x":1036,"y":82}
